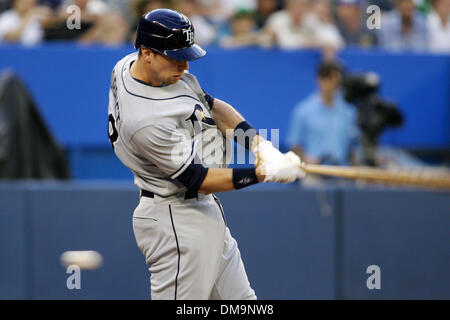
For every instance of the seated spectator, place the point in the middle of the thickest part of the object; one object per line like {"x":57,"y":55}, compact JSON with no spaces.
{"x":323,"y":127}
{"x":98,"y":24}
{"x":287,"y":26}
{"x":243,"y":33}
{"x":321,"y":20}
{"x":23,"y":23}
{"x":438,"y":23}
{"x":290,"y":29}
{"x":263,"y":11}
{"x":205,"y":31}
{"x":352,"y":25}
{"x":403,"y":28}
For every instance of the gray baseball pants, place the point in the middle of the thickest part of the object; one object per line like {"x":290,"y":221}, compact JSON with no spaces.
{"x":189,"y":248}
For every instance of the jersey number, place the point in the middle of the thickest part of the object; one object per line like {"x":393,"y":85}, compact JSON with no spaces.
{"x":112,"y":131}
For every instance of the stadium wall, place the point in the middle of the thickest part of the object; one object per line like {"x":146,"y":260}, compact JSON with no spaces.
{"x":296,"y":243}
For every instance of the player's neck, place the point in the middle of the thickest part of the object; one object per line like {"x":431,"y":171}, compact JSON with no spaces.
{"x":139,"y":71}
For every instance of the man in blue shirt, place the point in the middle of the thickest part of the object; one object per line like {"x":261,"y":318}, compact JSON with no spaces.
{"x":323,"y":127}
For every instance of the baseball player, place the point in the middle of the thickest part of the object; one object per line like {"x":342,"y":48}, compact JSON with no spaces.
{"x":172,"y":135}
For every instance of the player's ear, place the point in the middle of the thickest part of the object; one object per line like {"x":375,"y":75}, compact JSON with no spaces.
{"x":146,"y":53}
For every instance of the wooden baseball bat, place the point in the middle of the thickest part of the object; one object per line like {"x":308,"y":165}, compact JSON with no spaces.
{"x":423,"y":178}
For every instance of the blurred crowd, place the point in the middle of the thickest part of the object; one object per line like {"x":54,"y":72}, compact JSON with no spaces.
{"x":330,"y":25}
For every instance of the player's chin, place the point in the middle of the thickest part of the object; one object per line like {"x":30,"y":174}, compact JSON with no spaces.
{"x":173,"y":79}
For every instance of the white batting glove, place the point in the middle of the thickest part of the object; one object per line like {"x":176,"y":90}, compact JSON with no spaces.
{"x":297,"y":162}
{"x":275,"y":166}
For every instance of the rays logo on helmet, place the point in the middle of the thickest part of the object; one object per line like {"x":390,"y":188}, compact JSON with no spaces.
{"x":189,"y":36}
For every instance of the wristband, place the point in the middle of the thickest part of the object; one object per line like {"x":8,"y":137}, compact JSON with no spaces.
{"x":244,"y":177}
{"x":246,"y":131}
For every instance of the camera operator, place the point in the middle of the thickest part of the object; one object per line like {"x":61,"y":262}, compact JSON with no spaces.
{"x":323,"y":127}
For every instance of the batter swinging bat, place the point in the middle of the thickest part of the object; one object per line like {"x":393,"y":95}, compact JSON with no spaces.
{"x":421,"y":178}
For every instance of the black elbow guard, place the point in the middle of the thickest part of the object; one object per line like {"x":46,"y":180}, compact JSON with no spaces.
{"x":193,"y":176}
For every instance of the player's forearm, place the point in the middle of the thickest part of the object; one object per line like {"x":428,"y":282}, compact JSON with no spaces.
{"x":226,"y":117}
{"x":217,"y":180}
{"x":221,"y":180}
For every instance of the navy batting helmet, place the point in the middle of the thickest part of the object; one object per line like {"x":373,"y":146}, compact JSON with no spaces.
{"x":170,"y":33}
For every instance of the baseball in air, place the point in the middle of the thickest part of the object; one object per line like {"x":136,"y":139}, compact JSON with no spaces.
{"x":87,"y":260}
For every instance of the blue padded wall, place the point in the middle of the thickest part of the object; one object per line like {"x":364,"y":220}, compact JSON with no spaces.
{"x":287,"y":241}
{"x":405,"y":233}
{"x":14,"y":243}
{"x":295,"y":243}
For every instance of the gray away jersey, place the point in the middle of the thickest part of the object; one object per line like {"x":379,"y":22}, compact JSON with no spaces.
{"x":158,"y":132}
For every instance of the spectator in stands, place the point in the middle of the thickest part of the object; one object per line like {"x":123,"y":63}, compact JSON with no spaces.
{"x":243,"y":31}
{"x":287,"y":27}
{"x":323,"y":127}
{"x":320,"y":20}
{"x":263,"y":11}
{"x":438,"y":22}
{"x":205,"y":31}
{"x":352,"y":25}
{"x":403,"y":28}
{"x":291,"y":29}
{"x":23,"y":23}
{"x":99,"y":24}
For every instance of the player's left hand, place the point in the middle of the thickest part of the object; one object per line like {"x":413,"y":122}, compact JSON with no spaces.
{"x":275,"y":166}
{"x":297,"y":162}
